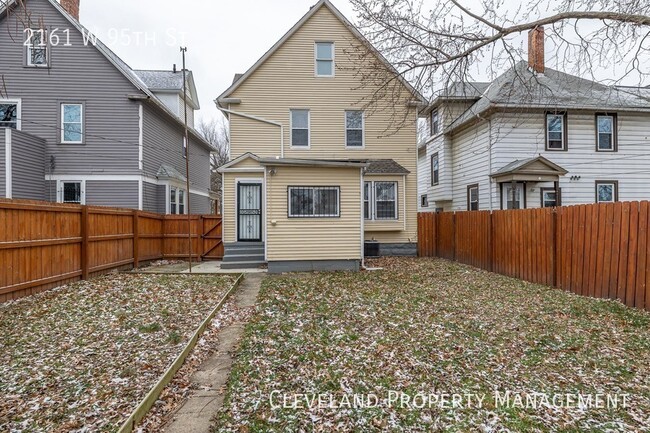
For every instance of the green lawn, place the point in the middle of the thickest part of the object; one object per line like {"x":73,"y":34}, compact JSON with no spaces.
{"x":81,"y":357}
{"x":424,"y":329}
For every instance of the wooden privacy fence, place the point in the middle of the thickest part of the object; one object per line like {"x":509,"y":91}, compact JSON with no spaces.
{"x":598,"y":250}
{"x":44,"y":245}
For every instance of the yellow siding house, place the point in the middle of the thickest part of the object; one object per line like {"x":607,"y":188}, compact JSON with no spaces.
{"x":317,"y":175}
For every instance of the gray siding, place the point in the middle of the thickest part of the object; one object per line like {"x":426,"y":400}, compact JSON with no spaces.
{"x":2,"y":163}
{"x":163,"y":143}
{"x":153,"y":199}
{"x":112,"y":193}
{"x":78,"y":73}
{"x":28,"y":166}
{"x":200,"y":204}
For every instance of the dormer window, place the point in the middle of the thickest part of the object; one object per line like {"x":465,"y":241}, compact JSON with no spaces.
{"x":324,"y":59}
{"x":36,"y":48}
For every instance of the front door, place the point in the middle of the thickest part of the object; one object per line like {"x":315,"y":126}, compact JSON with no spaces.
{"x":512,"y":196}
{"x":249,"y":212}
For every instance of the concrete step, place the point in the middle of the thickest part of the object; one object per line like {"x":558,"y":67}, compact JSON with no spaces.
{"x":242,"y":265}
{"x":244,"y":252}
{"x":244,"y":244}
{"x":259,"y":257}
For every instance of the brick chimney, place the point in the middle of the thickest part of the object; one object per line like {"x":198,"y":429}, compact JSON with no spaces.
{"x":536,"y":49}
{"x":72,"y":6}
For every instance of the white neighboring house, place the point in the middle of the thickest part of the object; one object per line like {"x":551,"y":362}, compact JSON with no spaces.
{"x":534,"y":137}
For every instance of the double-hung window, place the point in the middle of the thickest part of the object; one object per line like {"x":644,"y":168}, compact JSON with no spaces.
{"x":606,"y":132}
{"x":435,"y":169}
{"x":314,"y":201}
{"x":324,"y":53}
{"x":176,"y":201}
{"x":385,"y":200}
{"x":380,"y":201}
{"x":37,"y":49}
{"x":354,"y":128}
{"x":72,"y":123}
{"x":606,"y":191}
{"x":472,"y":197}
{"x":9,"y":114}
{"x":435,"y":122}
{"x":300,"y":128}
{"x":556,"y":131}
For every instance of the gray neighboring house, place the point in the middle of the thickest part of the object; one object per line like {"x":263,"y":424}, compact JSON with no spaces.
{"x":78,"y":125}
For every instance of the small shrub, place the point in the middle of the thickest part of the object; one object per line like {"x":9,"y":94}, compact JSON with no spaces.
{"x":174,"y":337}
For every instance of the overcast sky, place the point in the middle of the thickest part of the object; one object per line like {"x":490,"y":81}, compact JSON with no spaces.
{"x":223,"y":36}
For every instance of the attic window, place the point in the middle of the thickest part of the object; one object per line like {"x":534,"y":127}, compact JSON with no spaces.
{"x":324,"y":59}
{"x":36,"y":47}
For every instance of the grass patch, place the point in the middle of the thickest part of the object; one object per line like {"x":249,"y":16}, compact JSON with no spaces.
{"x":434,"y":327}
{"x":81,"y":357}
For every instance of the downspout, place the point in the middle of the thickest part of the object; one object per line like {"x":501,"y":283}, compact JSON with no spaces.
{"x":363,"y":222}
{"x":258,"y":119}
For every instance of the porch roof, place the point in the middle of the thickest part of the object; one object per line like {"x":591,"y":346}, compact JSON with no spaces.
{"x":537,"y":169}
{"x":314,"y":162}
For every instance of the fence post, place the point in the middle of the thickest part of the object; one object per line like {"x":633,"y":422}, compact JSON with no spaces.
{"x":201,"y":243}
{"x":491,"y":242}
{"x":453,"y":227}
{"x":554,"y":252}
{"x":437,"y":236}
{"x":136,"y":239}
{"x":84,"y":242}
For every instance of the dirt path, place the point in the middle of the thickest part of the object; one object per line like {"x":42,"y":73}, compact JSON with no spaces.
{"x":210,"y":379}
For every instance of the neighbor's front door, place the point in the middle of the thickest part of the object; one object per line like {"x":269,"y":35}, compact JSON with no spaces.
{"x":513,"y":197}
{"x":249,"y":212}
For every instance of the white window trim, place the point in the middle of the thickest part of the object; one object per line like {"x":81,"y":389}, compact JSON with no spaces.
{"x":314,"y":216}
{"x":600,"y":149}
{"x":432,"y":133}
{"x":83,"y":132}
{"x":169,"y":200}
{"x":544,"y":198}
{"x":333,"y":60}
{"x":373,"y":200}
{"x":363,"y":129}
{"x":59,"y":189}
{"x":18,"y":102}
{"x":563,"y":131}
{"x":291,"y":110}
{"x":370,"y":201}
{"x":30,"y":47}
{"x":469,"y":198}
{"x":614,"y":191}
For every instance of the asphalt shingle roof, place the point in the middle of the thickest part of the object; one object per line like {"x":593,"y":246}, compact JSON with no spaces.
{"x":385,"y":166}
{"x":519,"y":87}
{"x":155,"y":80}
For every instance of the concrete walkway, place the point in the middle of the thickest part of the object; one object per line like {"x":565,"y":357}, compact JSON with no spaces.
{"x":210,"y":380}
{"x":197,"y":268}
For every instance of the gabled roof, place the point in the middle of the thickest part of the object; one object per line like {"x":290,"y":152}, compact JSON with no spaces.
{"x":519,"y":87}
{"x":530,"y":169}
{"x":240,"y":158}
{"x":240,"y":78}
{"x":121,"y":66}
{"x":168,"y":172}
